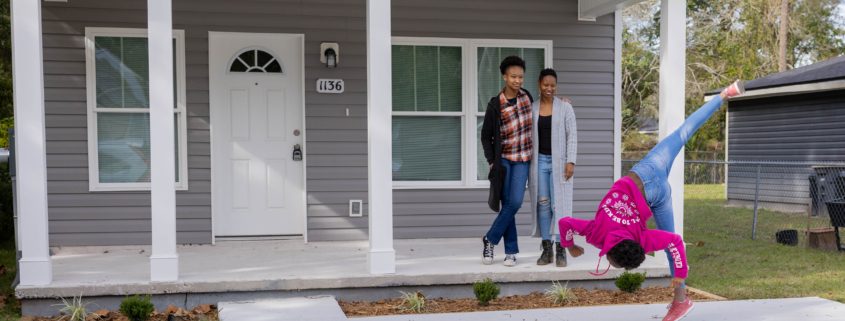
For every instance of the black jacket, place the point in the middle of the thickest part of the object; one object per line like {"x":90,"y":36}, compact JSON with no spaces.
{"x":491,"y":142}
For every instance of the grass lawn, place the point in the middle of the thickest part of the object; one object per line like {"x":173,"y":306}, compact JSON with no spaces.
{"x":730,"y":264}
{"x":9,"y":307}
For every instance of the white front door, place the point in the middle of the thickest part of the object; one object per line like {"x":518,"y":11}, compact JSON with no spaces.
{"x":255,"y":90}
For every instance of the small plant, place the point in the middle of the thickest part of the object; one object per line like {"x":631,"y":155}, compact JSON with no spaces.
{"x":630,"y":282}
{"x":485,"y":291}
{"x":137,"y":308}
{"x":412,"y":301}
{"x":560,"y":294}
{"x":73,"y":310}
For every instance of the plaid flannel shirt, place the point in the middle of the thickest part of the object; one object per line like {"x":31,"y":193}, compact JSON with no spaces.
{"x":516,"y":128}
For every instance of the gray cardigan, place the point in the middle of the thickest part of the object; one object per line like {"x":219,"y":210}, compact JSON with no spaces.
{"x":564,"y":150}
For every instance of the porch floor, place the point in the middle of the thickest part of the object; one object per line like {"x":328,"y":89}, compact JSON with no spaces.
{"x":279,"y":265}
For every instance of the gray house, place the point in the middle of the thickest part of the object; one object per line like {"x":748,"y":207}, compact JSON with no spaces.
{"x":193,"y":121}
{"x":789,"y":124}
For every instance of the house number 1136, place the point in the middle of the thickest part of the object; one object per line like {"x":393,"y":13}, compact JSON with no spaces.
{"x":330,"y":86}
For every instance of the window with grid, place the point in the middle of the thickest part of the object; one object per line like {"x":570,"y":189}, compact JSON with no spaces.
{"x":439,"y":104}
{"x":119,"y":109}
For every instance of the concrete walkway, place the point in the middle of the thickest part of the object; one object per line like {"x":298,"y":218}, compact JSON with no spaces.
{"x":324,"y":308}
{"x":798,"y":309}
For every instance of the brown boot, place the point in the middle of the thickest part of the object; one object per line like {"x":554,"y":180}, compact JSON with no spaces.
{"x":560,"y":255}
{"x":546,"y":257}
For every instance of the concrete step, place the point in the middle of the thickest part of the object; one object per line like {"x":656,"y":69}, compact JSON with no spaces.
{"x":319,"y":308}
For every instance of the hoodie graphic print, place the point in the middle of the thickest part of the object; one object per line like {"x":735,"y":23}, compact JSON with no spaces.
{"x":622,"y":215}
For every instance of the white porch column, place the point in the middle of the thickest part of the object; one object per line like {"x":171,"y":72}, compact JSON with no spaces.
{"x":164,"y":262}
{"x":30,"y":149}
{"x":381,"y":258}
{"x":673,"y":17}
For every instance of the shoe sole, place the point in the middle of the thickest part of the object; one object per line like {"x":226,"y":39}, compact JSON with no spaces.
{"x":485,"y":262}
{"x":510,"y":264}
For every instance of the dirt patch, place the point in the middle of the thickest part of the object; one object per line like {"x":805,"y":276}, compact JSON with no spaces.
{"x":517,"y":302}
{"x":203,"y":312}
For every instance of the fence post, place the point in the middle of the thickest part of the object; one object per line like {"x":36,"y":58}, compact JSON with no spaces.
{"x":756,"y":200}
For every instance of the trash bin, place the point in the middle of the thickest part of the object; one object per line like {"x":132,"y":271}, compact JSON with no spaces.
{"x":836,"y":210}
{"x":827,"y":184}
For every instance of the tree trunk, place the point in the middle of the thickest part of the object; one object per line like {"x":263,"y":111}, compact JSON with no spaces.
{"x":782,"y":34}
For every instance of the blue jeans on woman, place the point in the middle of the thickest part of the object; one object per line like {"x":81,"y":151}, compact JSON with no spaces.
{"x":513,"y":193}
{"x":653,"y":170}
{"x":545,"y":196}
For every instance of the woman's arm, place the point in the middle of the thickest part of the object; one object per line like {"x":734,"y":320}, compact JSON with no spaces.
{"x":571,"y":129}
{"x":487,"y":130}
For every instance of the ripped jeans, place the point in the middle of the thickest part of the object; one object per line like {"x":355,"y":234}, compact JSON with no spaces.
{"x":654,"y":168}
{"x":545,"y":196}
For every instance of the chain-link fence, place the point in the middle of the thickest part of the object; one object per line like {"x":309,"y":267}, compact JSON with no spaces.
{"x":792,"y":203}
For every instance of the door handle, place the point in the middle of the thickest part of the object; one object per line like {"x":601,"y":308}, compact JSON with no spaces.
{"x":297,"y":153}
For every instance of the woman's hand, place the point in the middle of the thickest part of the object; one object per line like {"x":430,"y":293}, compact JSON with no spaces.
{"x":576,"y":250}
{"x":570,"y":170}
{"x":677,"y":282}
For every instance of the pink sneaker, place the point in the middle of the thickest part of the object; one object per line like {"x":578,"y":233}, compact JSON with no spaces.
{"x":735,"y":89}
{"x":678,"y":310}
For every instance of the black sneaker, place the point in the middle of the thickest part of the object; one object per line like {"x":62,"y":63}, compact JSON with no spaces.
{"x":487,"y":257}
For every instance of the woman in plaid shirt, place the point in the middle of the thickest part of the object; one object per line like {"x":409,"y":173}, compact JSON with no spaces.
{"x":507,"y":142}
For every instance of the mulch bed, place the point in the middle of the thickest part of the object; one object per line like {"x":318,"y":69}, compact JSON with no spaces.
{"x":517,"y":302}
{"x":203,"y":312}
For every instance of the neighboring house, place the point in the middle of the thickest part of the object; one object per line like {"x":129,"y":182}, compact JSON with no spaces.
{"x":792,"y":121}
{"x":233,"y":112}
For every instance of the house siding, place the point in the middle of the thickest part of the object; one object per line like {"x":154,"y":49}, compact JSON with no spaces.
{"x":804,"y":128}
{"x":336,"y":165}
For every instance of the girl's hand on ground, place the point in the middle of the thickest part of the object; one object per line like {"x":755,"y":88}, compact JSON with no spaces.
{"x":676,"y":282}
{"x":576,"y":250}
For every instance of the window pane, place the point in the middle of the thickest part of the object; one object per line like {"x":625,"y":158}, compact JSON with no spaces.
{"x":490,"y":81}
{"x":122,"y":72}
{"x":123,"y":147}
{"x":451,"y":88}
{"x":426,"y":148}
{"x":136,"y":85}
{"x":108,"y":62}
{"x":482,"y":166}
{"x":427,"y":78}
{"x":403,"y":78}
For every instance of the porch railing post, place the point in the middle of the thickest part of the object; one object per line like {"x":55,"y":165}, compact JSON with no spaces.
{"x":382,"y":257}
{"x":164,"y":261}
{"x":30,"y":143}
{"x":671,"y":94}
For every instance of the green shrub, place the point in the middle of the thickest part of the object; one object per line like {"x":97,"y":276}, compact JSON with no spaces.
{"x":630,"y":282}
{"x":137,"y":308}
{"x":560,"y":294}
{"x":485,"y":291}
{"x":412,"y":301}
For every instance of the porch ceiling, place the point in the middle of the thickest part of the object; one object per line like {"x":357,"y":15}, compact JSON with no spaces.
{"x":592,"y":9}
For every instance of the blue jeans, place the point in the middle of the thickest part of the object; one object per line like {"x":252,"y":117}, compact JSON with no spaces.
{"x":545,"y":196}
{"x":653,"y":170}
{"x":513,"y":193}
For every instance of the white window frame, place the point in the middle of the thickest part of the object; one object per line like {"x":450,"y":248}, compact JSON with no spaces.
{"x":94,"y":184}
{"x":469,"y":99}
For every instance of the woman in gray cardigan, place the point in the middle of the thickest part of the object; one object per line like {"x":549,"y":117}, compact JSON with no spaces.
{"x":552,"y":165}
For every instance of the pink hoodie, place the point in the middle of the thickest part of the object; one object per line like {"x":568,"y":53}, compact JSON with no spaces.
{"x":622,"y":215}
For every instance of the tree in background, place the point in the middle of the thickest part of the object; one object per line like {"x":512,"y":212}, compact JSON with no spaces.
{"x":726,"y":40}
{"x":6,"y":109}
